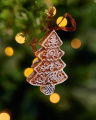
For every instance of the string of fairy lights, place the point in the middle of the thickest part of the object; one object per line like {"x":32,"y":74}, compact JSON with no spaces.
{"x":21,"y":39}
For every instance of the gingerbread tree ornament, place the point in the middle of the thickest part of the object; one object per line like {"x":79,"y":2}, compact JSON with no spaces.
{"x":48,"y":68}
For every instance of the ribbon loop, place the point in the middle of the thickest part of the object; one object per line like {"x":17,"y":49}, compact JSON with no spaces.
{"x":73,"y":23}
{"x":67,"y":28}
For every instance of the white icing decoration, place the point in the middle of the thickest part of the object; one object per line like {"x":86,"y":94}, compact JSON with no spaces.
{"x":52,"y":41}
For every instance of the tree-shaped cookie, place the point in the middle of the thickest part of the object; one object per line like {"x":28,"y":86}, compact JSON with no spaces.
{"x":48,"y":69}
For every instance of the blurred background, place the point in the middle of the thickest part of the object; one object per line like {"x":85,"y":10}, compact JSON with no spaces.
{"x":75,"y":99}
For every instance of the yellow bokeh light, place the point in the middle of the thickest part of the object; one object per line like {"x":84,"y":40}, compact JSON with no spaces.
{"x":54,"y":11}
{"x":95,"y":1}
{"x":28,"y":71}
{"x":4,"y":116}
{"x":61,"y":21}
{"x":55,"y":98}
{"x":20,"y":38}
{"x":51,"y":11}
{"x":76,"y":43}
{"x":9,"y":51}
{"x":35,"y":60}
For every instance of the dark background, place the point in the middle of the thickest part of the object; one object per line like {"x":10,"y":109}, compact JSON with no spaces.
{"x":78,"y":93}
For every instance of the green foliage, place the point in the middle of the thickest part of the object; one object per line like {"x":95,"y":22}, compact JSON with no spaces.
{"x":78,"y":93}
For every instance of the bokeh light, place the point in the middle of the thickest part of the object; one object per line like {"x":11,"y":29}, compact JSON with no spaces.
{"x":4,"y":116}
{"x":76,"y":43}
{"x":9,"y":51}
{"x":51,"y":11}
{"x":95,"y":1}
{"x":54,"y":98}
{"x":20,"y":38}
{"x":28,"y":71}
{"x":54,"y":10}
{"x":35,"y":60}
{"x":61,"y":21}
